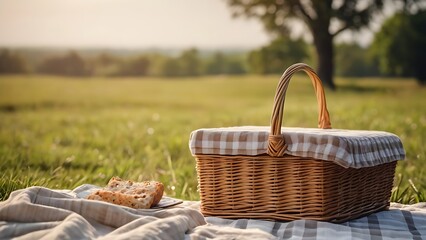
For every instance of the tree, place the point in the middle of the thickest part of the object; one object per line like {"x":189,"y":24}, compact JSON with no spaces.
{"x":134,"y":67}
{"x":170,"y":67}
{"x":234,"y":66}
{"x":354,"y":61}
{"x":105,"y":64}
{"x":318,"y":16}
{"x":190,"y":64}
{"x":220,"y":63}
{"x":216,"y":64}
{"x":400,"y":45}
{"x":11,"y":63}
{"x":274,"y":57}
{"x":70,"y":65}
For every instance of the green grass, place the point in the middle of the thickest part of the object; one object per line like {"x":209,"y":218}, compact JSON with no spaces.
{"x":62,"y":132}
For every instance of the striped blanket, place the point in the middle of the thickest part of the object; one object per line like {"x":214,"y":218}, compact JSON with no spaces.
{"x":41,"y":213}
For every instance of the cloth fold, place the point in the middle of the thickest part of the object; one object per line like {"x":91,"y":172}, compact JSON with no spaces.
{"x":41,"y":213}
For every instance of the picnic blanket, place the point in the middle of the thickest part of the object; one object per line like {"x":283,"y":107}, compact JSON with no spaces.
{"x":42,"y":213}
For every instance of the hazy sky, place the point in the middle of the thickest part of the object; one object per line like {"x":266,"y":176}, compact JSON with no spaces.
{"x":125,"y":23}
{"x":132,"y":24}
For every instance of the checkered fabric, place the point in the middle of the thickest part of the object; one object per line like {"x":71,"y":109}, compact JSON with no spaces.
{"x":41,"y":213}
{"x":400,"y":222}
{"x":348,"y":148}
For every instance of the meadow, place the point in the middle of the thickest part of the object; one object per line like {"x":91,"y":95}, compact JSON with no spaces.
{"x":62,"y":132}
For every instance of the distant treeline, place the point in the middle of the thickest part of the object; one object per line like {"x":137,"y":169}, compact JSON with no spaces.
{"x":350,"y":60}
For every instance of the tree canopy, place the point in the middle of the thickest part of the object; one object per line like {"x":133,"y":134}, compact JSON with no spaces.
{"x":400,"y":45}
{"x":70,"y":65}
{"x":325,"y":19}
{"x":354,"y":61}
{"x":11,"y":63}
{"x":274,"y":57}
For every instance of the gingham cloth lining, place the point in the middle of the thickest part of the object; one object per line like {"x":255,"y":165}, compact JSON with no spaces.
{"x":348,"y":148}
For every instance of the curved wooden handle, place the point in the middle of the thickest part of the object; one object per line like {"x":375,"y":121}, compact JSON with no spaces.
{"x":277,"y":146}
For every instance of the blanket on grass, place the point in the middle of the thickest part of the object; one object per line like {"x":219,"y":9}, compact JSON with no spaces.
{"x":41,"y":213}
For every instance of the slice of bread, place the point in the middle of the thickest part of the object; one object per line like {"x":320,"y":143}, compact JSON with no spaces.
{"x":145,"y":194}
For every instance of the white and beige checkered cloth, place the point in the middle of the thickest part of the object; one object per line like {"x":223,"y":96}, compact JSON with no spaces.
{"x":41,"y":213}
{"x":348,"y":148}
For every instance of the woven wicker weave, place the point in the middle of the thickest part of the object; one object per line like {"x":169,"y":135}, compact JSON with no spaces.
{"x":277,"y":186}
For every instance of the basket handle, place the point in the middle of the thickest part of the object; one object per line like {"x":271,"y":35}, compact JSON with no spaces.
{"x":277,"y":146}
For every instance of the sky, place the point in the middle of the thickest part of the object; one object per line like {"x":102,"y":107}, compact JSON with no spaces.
{"x":128,"y":24}
{"x":125,"y":24}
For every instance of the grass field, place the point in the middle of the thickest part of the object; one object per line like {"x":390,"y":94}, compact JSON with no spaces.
{"x":62,"y":132}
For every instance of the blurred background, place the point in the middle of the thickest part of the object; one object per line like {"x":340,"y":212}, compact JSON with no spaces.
{"x":91,"y":89}
{"x":188,"y":38}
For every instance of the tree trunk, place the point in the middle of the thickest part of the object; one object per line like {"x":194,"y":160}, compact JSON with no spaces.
{"x":323,"y":42}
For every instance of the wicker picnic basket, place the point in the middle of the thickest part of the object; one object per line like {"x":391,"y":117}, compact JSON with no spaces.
{"x":239,"y":179}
